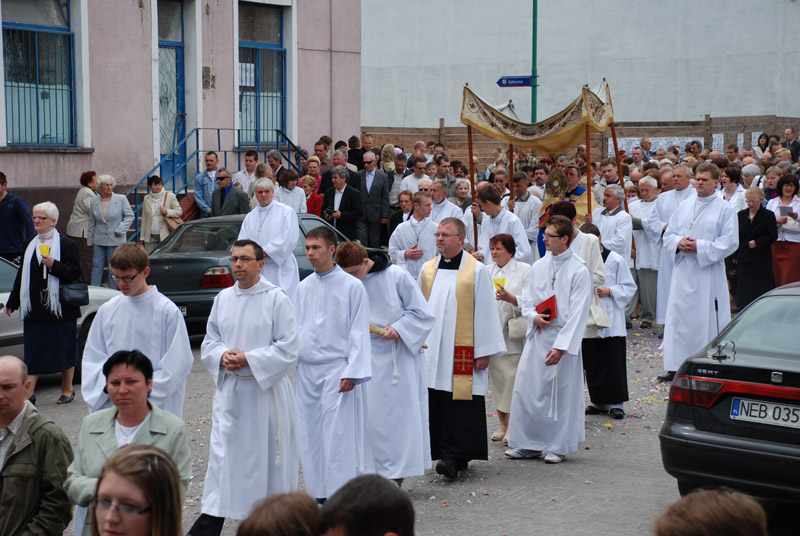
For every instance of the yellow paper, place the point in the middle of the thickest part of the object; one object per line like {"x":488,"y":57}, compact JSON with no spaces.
{"x":44,"y":249}
{"x":499,"y":282}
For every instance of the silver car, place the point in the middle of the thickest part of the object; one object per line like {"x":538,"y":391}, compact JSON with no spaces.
{"x":11,"y":326}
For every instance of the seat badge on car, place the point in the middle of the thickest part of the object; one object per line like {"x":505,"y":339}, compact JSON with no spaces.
{"x":777,"y":377}
{"x":166,"y":267}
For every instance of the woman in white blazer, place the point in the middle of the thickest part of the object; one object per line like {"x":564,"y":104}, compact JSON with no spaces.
{"x":78,"y":225}
{"x":509,"y":278}
{"x":158,"y":205}
{"x":110,"y":216}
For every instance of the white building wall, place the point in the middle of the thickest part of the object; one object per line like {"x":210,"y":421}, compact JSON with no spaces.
{"x":675,"y":61}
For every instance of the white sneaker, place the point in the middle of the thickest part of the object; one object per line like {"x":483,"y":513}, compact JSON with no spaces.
{"x":552,"y":457}
{"x":519,"y":454}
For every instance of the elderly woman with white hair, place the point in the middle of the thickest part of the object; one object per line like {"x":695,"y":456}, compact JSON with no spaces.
{"x":110,"y":216}
{"x":50,"y":331}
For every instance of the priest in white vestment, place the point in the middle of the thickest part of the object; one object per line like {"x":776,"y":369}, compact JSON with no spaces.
{"x":467,"y":333}
{"x":666,"y":205}
{"x":497,"y":220}
{"x":251,"y":345}
{"x":701,"y":233}
{"x":412,"y":243}
{"x":616,"y":226}
{"x":526,"y":207}
{"x":333,"y":320}
{"x":273,"y":226}
{"x":442,"y":207}
{"x":547,"y":407}
{"x":141,"y":319}
{"x":644,"y":264}
{"x":397,"y":394}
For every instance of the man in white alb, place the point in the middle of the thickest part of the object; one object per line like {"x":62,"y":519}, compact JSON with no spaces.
{"x":442,"y":207}
{"x":701,"y":233}
{"x":250,"y":347}
{"x":614,"y":223}
{"x":644,"y":265}
{"x":525,"y":206}
{"x":412,"y":244}
{"x":273,"y":226}
{"x":547,"y":407}
{"x":333,"y":320}
{"x":141,"y":319}
{"x":497,"y":220}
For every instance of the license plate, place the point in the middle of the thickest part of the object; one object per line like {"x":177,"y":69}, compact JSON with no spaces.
{"x":765,"y":413}
{"x":183,"y":309}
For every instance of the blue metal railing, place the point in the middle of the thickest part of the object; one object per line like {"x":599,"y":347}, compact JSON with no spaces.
{"x":185,"y":170}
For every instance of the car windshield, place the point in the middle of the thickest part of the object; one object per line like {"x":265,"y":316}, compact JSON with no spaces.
{"x":7,"y":275}
{"x":768,"y":325}
{"x":201,"y":238}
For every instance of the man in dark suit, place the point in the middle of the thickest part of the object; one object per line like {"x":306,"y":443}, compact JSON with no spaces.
{"x":791,"y":143}
{"x":275,"y":161}
{"x":374,"y":186}
{"x":403,"y":213}
{"x":343,"y":205}
{"x":228,"y":199}
{"x":339,"y":158}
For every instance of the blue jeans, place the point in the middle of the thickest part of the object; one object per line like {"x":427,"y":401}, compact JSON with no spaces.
{"x":101,"y":259}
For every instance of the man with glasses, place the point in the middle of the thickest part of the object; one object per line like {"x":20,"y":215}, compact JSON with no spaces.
{"x":547,"y":407}
{"x":411,"y":182}
{"x":466,"y":334}
{"x":273,"y":226}
{"x":144,"y":319}
{"x":251,"y":345}
{"x":227,"y":199}
{"x":374,"y":185}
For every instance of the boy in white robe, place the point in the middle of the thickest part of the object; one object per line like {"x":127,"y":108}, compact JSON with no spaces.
{"x":141,"y":319}
{"x":333,"y":321}
{"x":497,"y":220}
{"x":547,"y":408}
{"x":702,"y":232}
{"x":412,"y":243}
{"x":397,"y":394}
{"x":250,"y":346}
{"x":274,"y":227}
{"x":458,"y":420}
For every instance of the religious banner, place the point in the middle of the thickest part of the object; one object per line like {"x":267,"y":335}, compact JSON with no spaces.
{"x":557,"y":134}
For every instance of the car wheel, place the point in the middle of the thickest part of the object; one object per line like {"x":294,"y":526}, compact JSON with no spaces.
{"x":685,"y":488}
{"x":83,"y":335}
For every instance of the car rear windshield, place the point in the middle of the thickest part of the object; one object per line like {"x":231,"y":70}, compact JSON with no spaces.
{"x":200,"y":238}
{"x":768,"y":325}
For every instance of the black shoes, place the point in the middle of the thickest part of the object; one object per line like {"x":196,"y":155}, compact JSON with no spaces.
{"x":591,"y":410}
{"x":616,"y":413}
{"x":668,"y":377}
{"x":450,"y":468}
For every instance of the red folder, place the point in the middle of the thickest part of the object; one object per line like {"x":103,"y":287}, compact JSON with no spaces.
{"x":549,"y":303}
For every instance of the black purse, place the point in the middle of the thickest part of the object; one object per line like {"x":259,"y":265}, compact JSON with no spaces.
{"x":75,"y":293}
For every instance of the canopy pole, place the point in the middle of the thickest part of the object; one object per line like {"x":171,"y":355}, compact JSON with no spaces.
{"x":473,"y":178}
{"x":588,"y":169}
{"x":510,"y":165}
{"x":619,"y":163}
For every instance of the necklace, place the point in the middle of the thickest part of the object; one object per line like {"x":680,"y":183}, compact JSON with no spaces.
{"x":261,"y":223}
{"x":417,"y":234}
{"x":554,"y":272}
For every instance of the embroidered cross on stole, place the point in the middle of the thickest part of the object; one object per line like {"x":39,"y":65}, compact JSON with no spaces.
{"x":464,"y":350}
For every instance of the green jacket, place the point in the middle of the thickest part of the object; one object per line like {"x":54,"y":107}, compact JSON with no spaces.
{"x":32,"y":496}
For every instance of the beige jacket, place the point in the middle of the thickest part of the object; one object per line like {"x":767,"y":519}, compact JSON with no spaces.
{"x":173,"y":211}
{"x":79,"y":220}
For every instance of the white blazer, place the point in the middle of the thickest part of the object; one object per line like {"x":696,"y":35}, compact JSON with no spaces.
{"x":79,"y":220}
{"x":516,"y":275}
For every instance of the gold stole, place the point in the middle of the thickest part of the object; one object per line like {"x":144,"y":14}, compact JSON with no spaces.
{"x":464,"y":351}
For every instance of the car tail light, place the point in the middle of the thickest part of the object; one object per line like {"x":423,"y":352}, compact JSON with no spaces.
{"x":217,"y":277}
{"x":704,"y":392}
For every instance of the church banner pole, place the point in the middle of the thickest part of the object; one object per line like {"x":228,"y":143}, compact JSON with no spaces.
{"x":510,"y":165}
{"x":588,"y":169}
{"x":473,"y":177}
{"x":619,"y":163}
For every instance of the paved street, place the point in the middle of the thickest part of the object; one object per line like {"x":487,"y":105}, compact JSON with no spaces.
{"x":614,"y":485}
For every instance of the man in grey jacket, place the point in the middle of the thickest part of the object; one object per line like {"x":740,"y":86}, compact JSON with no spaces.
{"x":34,"y":455}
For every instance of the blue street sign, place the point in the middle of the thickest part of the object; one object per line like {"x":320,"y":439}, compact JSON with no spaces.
{"x":515,"y":81}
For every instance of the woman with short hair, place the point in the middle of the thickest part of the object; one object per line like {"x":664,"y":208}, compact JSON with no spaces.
{"x":289,"y":194}
{"x":157,"y":206}
{"x":786,"y":249}
{"x":78,"y":224}
{"x":757,"y":232}
{"x":50,"y":331}
{"x":110,"y":217}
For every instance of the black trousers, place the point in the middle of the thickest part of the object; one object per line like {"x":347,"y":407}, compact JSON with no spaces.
{"x":458,"y":427}
{"x":207,"y":525}
{"x":606,"y":371}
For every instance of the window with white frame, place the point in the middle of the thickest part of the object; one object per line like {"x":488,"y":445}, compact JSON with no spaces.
{"x":38,"y":63}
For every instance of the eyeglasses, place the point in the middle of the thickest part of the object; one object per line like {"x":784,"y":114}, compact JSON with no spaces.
{"x":369,"y":162}
{"x":548,"y":235}
{"x":234,"y":260}
{"x":444,"y":235}
{"x":125,"y":510}
{"x":424,"y":189}
{"x":220,"y":179}
{"x":40,"y":218}
{"x":126,"y":278}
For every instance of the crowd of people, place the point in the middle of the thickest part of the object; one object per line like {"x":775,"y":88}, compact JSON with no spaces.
{"x":379,"y":362}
